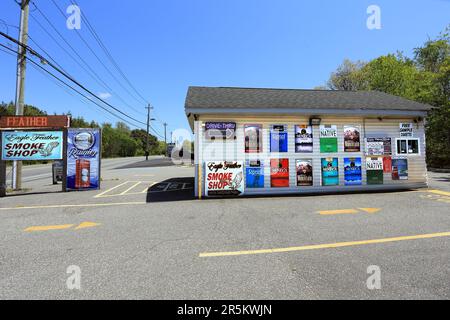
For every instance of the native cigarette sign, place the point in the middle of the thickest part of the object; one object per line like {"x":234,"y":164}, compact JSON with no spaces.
{"x":224,"y":178}
{"x":34,"y":122}
{"x":32,"y":145}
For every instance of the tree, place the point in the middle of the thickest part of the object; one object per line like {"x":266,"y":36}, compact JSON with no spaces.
{"x":348,"y":76}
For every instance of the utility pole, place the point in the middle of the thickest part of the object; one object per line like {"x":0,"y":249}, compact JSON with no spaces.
{"x":20,"y":83}
{"x":165,"y":138}
{"x":148,"y":131}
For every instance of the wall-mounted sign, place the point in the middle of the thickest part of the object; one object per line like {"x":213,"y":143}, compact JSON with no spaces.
{"x":253,"y":138}
{"x":352,"y":171}
{"x":278,"y":138}
{"x":303,"y":138}
{"x":304,"y":170}
{"x":254,"y":174}
{"x":279,"y":173}
{"x":374,"y":170}
{"x":387,"y":164}
{"x":220,"y":130}
{"x":400,"y":169}
{"x":32,"y":145}
{"x":378,"y":146}
{"x":352,"y":141}
{"x":224,"y":178}
{"x":330,"y":171}
{"x":328,"y":138}
{"x":16,"y":122}
{"x":83,"y":159}
{"x":406,"y":130}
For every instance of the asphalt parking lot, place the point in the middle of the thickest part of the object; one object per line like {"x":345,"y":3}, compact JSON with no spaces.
{"x":143,"y":236}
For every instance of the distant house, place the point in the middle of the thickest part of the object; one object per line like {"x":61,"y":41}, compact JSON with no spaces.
{"x":275,"y":141}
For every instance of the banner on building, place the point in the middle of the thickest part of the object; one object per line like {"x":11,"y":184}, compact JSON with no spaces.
{"x":32,"y":145}
{"x":253,"y":138}
{"x":303,"y":139}
{"x":330,"y":171}
{"x":352,"y":171}
{"x":406,"y":130}
{"x":279,"y":173}
{"x":278,"y":138}
{"x":400,"y":169}
{"x":304,"y":172}
{"x":387,"y":164}
{"x":352,"y":141}
{"x":328,"y":138}
{"x":220,"y":130}
{"x":378,"y":146}
{"x":83,"y":159}
{"x":254,"y":174}
{"x":224,"y":178}
{"x":374,"y":170}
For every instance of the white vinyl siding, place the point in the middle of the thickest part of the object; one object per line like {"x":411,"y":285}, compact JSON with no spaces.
{"x":233,"y":150}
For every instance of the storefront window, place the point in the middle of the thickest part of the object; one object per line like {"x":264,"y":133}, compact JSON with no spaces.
{"x":408,"y":146}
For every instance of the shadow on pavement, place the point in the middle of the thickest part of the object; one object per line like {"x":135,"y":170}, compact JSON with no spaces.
{"x":174,"y":189}
{"x":159,"y":162}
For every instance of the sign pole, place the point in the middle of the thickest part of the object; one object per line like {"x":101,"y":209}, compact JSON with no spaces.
{"x":64,"y":175}
{"x":2,"y":174}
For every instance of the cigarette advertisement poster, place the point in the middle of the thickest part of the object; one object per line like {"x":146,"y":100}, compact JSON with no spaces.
{"x":352,"y":171}
{"x":304,"y":172}
{"x":83,"y":159}
{"x":220,"y":130}
{"x":406,"y":130}
{"x":254,"y":174}
{"x":378,"y":146}
{"x":279,"y":173}
{"x":328,"y":138}
{"x":253,"y":138}
{"x":352,"y":141}
{"x":399,"y":169}
{"x":374,"y":170}
{"x":32,"y":145}
{"x":330,"y":172}
{"x":387,"y":164}
{"x":303,"y":139}
{"x":224,"y":178}
{"x":278,"y":138}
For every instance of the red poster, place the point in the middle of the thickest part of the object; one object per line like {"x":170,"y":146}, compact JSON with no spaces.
{"x":279,"y":173}
{"x":387,"y":164}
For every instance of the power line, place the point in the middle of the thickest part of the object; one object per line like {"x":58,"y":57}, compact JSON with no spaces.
{"x":74,"y":89}
{"x":108,"y":53}
{"x":98,"y":59}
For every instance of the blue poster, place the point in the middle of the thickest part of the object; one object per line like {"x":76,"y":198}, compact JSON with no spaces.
{"x":278,"y":138}
{"x":32,"y":145}
{"x":83,"y":159}
{"x":352,"y":171}
{"x":254,"y":175}
{"x":330,"y":172}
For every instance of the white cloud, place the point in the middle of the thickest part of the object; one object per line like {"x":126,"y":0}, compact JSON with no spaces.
{"x":104,"y":95}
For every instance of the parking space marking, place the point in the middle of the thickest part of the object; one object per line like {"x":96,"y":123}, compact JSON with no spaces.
{"x":324,"y":246}
{"x":348,"y":211}
{"x":110,"y":189}
{"x":437,"y":195}
{"x":440,"y":192}
{"x":87,"y":205}
{"x":130,"y":188}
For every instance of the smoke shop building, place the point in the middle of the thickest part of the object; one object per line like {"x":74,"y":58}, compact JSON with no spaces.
{"x":276,"y":141}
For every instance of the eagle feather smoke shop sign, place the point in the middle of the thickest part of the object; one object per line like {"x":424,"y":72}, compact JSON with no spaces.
{"x":32,"y":145}
{"x":224,"y":178}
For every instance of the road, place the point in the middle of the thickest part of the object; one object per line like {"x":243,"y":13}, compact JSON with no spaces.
{"x":143,"y":236}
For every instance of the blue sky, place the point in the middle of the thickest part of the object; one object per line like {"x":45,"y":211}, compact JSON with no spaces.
{"x":165,"y":46}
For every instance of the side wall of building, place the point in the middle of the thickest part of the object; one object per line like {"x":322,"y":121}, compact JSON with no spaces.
{"x":233,"y":150}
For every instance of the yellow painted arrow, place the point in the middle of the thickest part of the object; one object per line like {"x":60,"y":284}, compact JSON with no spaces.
{"x":370,"y":210}
{"x":82,"y":225}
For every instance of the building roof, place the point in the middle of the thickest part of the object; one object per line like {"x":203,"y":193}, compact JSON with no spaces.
{"x":226,"y":98}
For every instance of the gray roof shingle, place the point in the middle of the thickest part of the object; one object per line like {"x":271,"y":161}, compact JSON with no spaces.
{"x":260,"y":98}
